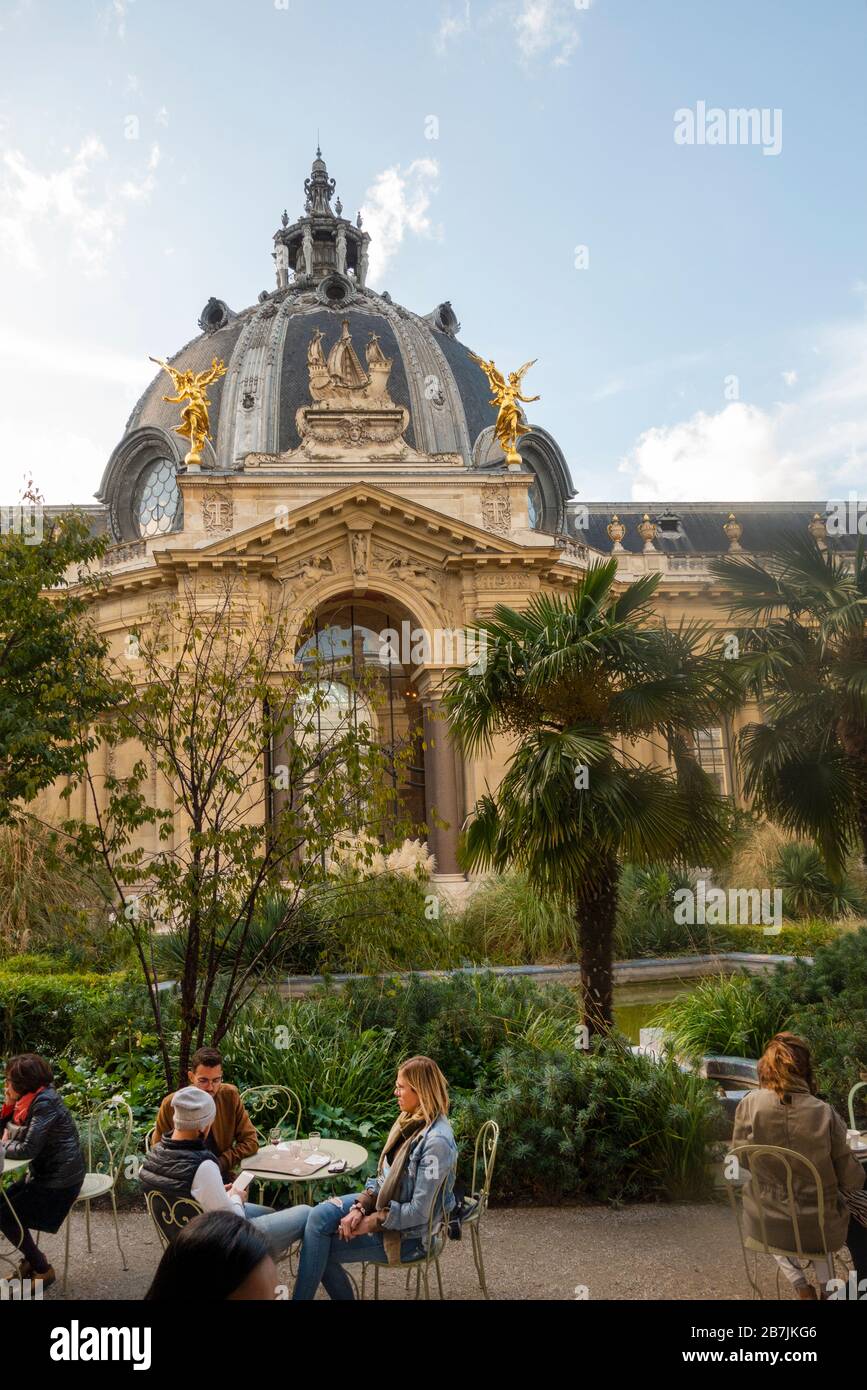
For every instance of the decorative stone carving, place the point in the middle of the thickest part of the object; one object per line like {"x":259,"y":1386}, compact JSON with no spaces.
{"x":572,"y":549}
{"x":218,"y":512}
{"x":496,"y":509}
{"x":733,"y":532}
{"x":352,"y":410}
{"x":647,"y":532}
{"x":120,"y":554}
{"x":310,"y":571}
{"x":359,"y":553}
{"x":487,"y":582}
{"x":616,"y":531}
{"x":818,"y":529}
{"x":399,"y":565}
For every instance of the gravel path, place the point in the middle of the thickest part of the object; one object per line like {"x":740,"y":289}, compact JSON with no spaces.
{"x":639,"y":1252}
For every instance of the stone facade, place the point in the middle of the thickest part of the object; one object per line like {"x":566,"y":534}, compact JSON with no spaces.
{"x":353,"y":464}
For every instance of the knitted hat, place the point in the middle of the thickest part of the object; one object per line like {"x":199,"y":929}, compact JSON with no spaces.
{"x":193,"y":1108}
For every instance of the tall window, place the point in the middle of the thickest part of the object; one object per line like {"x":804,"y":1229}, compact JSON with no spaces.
{"x":348,"y":641}
{"x":712,"y":753}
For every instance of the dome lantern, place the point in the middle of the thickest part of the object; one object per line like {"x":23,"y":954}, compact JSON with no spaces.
{"x":322,"y":243}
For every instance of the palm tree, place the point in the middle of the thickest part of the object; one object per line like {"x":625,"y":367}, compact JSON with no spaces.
{"x":803,"y":657}
{"x":573,"y":680}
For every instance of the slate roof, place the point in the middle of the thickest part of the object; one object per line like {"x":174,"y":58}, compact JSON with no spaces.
{"x":696,"y":528}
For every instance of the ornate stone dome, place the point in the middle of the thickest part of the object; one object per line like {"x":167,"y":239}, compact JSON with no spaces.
{"x":321,"y":273}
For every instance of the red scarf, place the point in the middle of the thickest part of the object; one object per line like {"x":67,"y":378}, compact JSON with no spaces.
{"x":18,"y":1110}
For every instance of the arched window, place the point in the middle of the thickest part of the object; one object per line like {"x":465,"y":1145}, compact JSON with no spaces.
{"x":350,"y":649}
{"x":157,"y":504}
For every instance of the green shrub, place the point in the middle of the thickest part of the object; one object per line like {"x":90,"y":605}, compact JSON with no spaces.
{"x":827,"y":1004}
{"x":51,"y":1014}
{"x":608,"y":1126}
{"x":296,"y":950}
{"x":462,"y":1021}
{"x":795,"y":938}
{"x":372,"y":925}
{"x":808,"y":889}
{"x":507,"y":922}
{"x":32,"y":965}
{"x":308,"y":1045}
{"x":646,"y":924}
{"x":728,"y":1015}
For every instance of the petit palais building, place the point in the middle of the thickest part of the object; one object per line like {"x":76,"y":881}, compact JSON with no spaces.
{"x":353,"y":463}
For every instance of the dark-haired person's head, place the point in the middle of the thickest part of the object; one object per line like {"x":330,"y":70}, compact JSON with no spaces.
{"x":26,"y":1073}
{"x":206,"y":1070}
{"x":218,"y":1256}
{"x":786,"y":1061}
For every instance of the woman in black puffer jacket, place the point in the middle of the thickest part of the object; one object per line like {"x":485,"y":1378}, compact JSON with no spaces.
{"x":36,"y":1125}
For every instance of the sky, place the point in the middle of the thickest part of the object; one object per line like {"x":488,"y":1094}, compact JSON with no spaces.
{"x":565,"y":172}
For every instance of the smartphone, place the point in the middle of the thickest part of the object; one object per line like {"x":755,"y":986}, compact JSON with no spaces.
{"x":338,"y":1166}
{"x":241,"y":1183}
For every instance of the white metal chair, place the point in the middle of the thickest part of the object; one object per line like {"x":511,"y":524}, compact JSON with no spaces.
{"x":484,"y":1158}
{"x":789,"y":1159}
{"x":436,"y":1238}
{"x":107,"y":1133}
{"x":859,"y":1085}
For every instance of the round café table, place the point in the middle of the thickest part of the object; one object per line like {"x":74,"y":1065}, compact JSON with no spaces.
{"x":257,"y":1164}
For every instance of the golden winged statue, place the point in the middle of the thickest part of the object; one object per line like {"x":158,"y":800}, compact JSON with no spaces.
{"x":191,"y":386}
{"x":510,"y":423}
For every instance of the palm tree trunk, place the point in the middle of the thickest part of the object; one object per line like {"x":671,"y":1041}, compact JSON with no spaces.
{"x":596,"y":915}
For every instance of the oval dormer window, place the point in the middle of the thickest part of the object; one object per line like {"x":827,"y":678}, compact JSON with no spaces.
{"x":158,"y":507}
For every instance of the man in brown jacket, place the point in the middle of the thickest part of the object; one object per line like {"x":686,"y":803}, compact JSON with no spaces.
{"x":232,"y":1136}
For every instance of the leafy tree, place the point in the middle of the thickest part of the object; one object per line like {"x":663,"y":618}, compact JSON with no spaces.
{"x":573,"y":680}
{"x":802,"y":654}
{"x":215,"y":722}
{"x":51,"y":660}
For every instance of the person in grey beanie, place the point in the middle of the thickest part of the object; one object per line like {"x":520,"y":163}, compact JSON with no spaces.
{"x":181,"y":1165}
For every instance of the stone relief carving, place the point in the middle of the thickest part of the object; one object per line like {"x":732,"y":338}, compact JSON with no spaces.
{"x":488,"y":582}
{"x":359,"y":551}
{"x":218,"y":512}
{"x":496,"y":509}
{"x":310,"y":571}
{"x":401,"y":566}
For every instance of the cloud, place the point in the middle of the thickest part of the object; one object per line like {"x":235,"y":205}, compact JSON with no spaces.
{"x":547,"y":29}
{"x":34,"y":204}
{"x":114,"y":16}
{"x":812,"y":446}
{"x":452,"y":25}
{"x":790,"y":378}
{"x":397,"y":203}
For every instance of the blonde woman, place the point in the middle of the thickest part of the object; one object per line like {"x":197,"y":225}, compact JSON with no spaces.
{"x":388,"y":1221}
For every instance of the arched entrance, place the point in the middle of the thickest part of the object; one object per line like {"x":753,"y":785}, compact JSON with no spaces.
{"x":349,"y":645}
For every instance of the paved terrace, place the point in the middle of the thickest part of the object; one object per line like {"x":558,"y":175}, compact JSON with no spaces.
{"x":680,"y":1251}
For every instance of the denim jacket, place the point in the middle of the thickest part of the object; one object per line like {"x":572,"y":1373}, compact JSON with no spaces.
{"x":432,"y":1155}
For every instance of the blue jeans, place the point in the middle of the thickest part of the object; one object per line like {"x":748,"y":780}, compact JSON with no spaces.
{"x":280,"y":1228}
{"x":323,"y":1253}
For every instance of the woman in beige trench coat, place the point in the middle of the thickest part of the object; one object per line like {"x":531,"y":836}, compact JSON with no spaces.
{"x":786,"y":1112}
